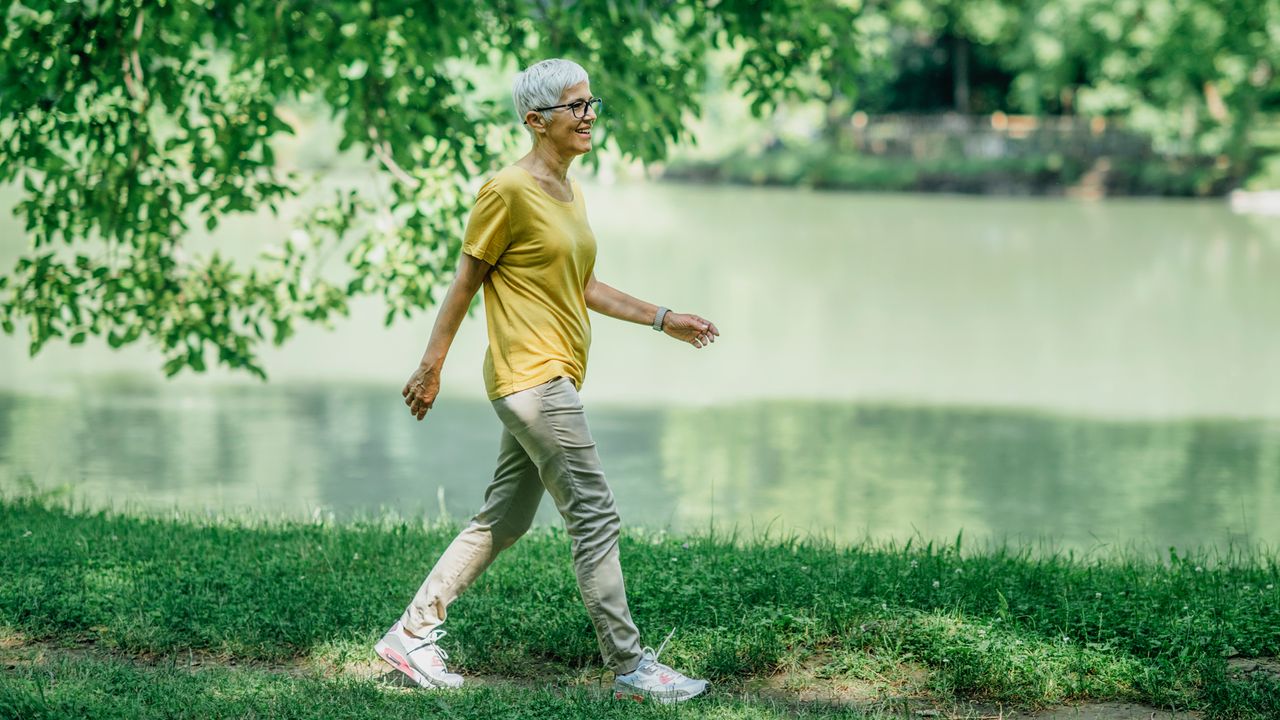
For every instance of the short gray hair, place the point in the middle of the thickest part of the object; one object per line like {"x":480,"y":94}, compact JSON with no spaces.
{"x":542,"y":83}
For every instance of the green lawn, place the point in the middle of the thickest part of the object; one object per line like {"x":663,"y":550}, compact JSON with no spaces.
{"x":993,"y":625}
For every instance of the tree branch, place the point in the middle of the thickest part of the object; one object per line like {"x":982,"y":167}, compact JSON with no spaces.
{"x":383,"y":151}
{"x":133,"y":67}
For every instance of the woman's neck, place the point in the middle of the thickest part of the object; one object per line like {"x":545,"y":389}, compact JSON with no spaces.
{"x":543,"y":160}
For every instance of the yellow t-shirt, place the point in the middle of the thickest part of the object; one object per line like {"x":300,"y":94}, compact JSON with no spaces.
{"x":542,"y":251}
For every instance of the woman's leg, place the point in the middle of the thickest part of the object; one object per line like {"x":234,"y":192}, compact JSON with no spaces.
{"x":510,"y":502}
{"x":552,"y":427}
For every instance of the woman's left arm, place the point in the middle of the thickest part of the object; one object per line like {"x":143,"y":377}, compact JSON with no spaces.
{"x":685,"y":327}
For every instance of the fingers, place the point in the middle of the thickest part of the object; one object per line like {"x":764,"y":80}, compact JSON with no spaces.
{"x":706,"y":332}
{"x":420,"y":391}
{"x":419,"y":408}
{"x":417,"y":402}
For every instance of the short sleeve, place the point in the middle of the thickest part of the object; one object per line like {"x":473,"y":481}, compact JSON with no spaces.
{"x":489,"y":228}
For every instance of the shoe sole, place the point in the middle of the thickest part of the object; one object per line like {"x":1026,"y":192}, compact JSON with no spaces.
{"x":625,"y":692}
{"x":393,"y":658}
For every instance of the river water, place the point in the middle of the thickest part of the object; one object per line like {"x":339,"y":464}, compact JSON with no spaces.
{"x":1072,"y":374}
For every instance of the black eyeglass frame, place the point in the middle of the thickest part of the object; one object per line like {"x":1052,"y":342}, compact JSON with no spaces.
{"x":598,"y":101}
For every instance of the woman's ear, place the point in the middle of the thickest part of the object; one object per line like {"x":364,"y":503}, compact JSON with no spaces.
{"x":534,"y":119}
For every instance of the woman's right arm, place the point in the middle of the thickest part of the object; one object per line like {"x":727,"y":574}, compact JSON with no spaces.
{"x":424,"y":384}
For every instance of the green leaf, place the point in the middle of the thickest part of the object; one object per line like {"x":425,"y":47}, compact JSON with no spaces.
{"x":172,"y":367}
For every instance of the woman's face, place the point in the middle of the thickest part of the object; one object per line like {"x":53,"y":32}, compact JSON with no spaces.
{"x":568,"y":134}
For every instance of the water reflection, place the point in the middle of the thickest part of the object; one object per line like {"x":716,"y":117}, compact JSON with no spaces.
{"x":895,"y":471}
{"x":843,"y":470}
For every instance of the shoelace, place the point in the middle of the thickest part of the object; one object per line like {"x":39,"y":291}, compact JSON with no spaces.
{"x":431,"y":639}
{"x":649,"y":657}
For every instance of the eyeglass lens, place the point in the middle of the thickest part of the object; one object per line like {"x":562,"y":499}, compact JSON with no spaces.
{"x":580,"y":108}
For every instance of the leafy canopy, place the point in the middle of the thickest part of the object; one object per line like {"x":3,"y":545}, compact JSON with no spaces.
{"x":126,"y":120}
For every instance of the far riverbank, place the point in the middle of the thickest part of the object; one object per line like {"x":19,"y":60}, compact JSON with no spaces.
{"x":994,"y":154}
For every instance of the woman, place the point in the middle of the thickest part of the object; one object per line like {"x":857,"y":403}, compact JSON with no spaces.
{"x":528,"y":243}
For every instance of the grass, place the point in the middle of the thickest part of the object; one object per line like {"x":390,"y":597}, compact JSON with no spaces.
{"x":93,"y":688}
{"x":996,"y":625}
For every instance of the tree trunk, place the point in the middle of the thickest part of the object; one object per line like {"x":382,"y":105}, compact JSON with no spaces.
{"x":960,"y":73}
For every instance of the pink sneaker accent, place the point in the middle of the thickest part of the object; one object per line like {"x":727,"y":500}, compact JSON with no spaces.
{"x":398,"y":661}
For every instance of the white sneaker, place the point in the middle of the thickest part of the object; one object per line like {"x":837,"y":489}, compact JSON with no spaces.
{"x":654,"y":681}
{"x":419,"y":658}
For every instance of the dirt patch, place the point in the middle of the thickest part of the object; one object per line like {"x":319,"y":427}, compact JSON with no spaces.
{"x":11,"y":640}
{"x":14,"y":654}
{"x":1264,"y":666}
{"x":373,"y":668}
{"x":901,"y":690}
{"x":822,"y":678}
{"x":17,"y":651}
{"x":876,"y":687}
{"x":1112,"y":711}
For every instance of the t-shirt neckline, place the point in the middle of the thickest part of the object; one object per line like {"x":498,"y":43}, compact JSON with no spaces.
{"x":553,"y":198}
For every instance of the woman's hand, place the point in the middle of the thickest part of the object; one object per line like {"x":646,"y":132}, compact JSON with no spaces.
{"x":690,"y":328}
{"x":421,"y":390}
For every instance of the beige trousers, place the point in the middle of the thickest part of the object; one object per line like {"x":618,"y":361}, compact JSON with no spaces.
{"x":545,"y":445}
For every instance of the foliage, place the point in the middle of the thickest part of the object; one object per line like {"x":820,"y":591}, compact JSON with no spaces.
{"x":912,"y":49}
{"x":127,"y":120}
{"x":1191,"y":73}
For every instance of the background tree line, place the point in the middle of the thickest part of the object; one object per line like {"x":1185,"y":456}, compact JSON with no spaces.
{"x":1193,"y":74}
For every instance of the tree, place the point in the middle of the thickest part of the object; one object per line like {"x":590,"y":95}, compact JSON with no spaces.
{"x":123,"y":118}
{"x":1192,"y":74}
{"x":936,"y":55}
